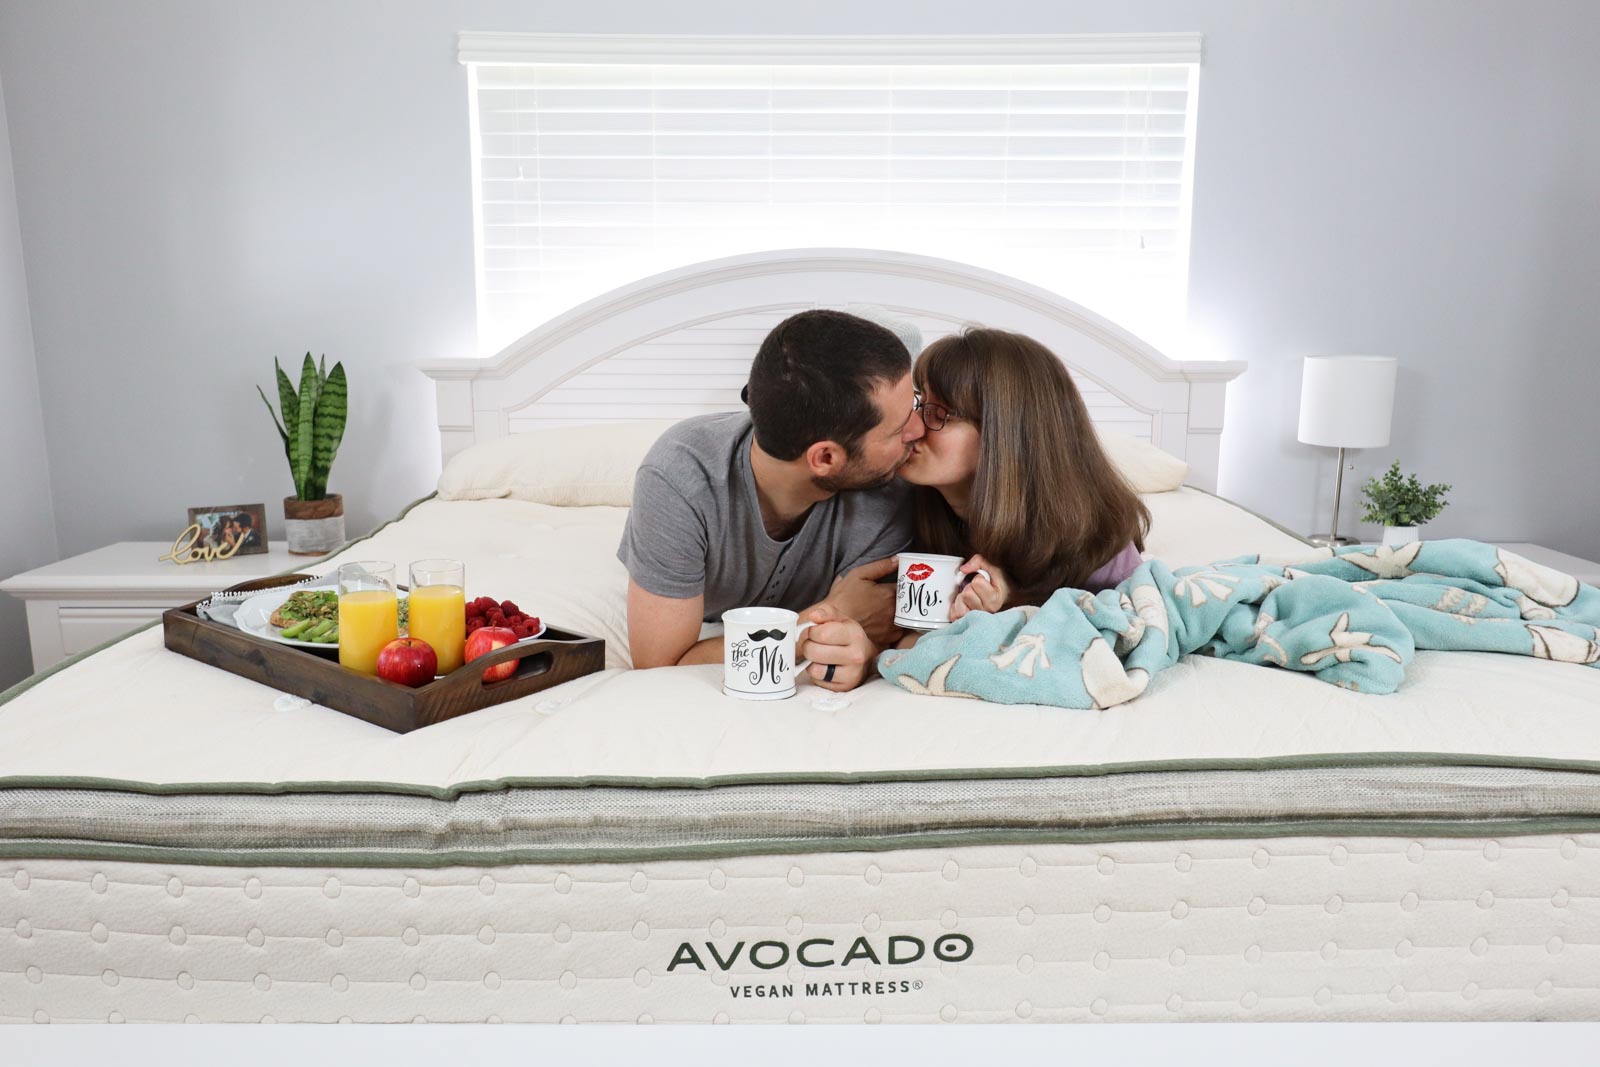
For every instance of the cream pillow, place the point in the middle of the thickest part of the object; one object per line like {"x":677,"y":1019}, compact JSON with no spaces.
{"x":584,"y":466}
{"x":1146,"y":467}
{"x":910,"y":333}
{"x":579,"y":466}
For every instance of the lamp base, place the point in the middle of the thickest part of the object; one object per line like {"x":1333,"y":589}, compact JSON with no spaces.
{"x":1331,"y":541}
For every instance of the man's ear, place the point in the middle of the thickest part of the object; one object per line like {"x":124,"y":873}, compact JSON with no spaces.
{"x":826,"y":458}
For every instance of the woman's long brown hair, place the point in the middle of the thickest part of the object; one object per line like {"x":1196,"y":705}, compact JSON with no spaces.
{"x":1047,"y":505}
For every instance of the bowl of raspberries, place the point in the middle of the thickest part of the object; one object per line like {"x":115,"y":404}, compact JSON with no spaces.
{"x":487,"y":611}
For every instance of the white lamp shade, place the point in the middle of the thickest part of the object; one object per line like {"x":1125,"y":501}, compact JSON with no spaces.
{"x":1347,"y":401}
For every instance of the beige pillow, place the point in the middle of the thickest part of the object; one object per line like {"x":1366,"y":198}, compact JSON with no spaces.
{"x":1146,"y":467}
{"x":910,"y":333}
{"x":583,"y":466}
{"x":578,"y":466}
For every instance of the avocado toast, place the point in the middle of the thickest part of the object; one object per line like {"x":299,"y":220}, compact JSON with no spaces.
{"x":313,"y":604}
{"x":313,"y":615}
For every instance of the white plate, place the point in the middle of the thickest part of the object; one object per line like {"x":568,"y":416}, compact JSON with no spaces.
{"x":543,"y":626}
{"x":255,"y":617}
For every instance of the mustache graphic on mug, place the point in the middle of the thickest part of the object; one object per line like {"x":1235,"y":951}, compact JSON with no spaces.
{"x":759,"y":652}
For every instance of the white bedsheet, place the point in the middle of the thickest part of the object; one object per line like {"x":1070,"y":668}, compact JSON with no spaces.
{"x":136,"y":711}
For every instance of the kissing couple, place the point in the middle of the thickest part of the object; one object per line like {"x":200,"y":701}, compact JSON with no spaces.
{"x":850,"y":452}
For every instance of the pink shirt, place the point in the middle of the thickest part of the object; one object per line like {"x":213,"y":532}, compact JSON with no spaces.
{"x":1116,"y":571}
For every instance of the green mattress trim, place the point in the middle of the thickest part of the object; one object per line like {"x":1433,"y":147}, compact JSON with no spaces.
{"x":1178,"y":831}
{"x":451,"y":792}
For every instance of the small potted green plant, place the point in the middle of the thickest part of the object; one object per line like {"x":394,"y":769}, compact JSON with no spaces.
{"x":312,"y":428}
{"x":1401,"y":503}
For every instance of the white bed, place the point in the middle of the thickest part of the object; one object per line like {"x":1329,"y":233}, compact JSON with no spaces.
{"x":177,"y":843}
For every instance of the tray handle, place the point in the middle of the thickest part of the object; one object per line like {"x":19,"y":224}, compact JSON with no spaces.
{"x":537,"y":656}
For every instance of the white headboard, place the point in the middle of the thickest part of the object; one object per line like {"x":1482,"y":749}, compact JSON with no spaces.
{"x":680,"y":344}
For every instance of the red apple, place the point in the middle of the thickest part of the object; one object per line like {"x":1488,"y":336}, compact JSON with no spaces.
{"x":409,"y":661}
{"x":486,"y":639}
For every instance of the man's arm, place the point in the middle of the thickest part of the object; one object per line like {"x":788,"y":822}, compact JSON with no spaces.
{"x":664,"y":544}
{"x":663,"y":631}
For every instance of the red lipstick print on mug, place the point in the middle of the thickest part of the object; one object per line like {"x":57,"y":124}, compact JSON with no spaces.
{"x":918,"y":571}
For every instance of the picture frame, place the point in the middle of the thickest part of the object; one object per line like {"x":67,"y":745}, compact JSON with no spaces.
{"x":220,"y":526}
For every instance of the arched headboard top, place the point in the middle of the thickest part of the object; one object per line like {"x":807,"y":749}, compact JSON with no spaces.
{"x":680,"y":343}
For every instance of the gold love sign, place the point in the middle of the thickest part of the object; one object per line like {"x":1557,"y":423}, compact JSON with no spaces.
{"x":186,"y":550}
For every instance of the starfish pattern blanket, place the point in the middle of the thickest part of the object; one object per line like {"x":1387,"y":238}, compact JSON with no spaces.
{"x":1353,"y":618}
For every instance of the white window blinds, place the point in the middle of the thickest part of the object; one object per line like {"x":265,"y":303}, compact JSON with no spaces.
{"x":1074,"y":176}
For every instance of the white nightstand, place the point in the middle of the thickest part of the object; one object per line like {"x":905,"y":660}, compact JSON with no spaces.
{"x":80,"y":602}
{"x":1584,"y":570}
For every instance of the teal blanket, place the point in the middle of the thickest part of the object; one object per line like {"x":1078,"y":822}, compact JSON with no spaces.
{"x":1354,"y":619}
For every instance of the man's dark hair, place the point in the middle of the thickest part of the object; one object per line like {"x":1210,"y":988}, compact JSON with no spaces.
{"x":813,"y":377}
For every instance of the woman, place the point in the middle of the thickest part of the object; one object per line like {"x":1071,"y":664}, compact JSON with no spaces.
{"x":1012,"y":475}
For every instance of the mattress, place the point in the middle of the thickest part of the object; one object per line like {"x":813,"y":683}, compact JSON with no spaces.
{"x":176,"y":841}
{"x":1281,"y":929}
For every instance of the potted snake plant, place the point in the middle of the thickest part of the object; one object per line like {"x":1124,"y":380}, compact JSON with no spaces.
{"x":312,"y":428}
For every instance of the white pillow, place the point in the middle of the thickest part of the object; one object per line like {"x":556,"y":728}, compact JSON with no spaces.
{"x":580,"y":466}
{"x":1146,"y":467}
{"x":910,"y":333}
{"x":585,"y":466}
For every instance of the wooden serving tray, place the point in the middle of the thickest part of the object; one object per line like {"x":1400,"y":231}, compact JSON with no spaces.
{"x":555,"y":657}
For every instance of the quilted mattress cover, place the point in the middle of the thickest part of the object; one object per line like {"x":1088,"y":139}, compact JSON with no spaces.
{"x":164,"y":824}
{"x":1280,"y":929}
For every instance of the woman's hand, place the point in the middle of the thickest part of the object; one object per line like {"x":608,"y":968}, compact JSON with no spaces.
{"x":981,"y":594}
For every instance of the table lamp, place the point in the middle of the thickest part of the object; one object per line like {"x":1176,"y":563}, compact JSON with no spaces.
{"x":1346,"y":402}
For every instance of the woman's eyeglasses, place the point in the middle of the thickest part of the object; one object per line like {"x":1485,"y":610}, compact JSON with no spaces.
{"x":934,"y":415}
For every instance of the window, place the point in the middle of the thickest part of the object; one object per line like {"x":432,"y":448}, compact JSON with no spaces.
{"x":1062,"y":161}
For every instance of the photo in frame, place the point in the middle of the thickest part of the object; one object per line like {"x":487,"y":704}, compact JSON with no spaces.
{"x":221,"y":527}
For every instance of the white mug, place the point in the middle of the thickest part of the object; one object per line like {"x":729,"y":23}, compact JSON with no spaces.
{"x":928,"y":583}
{"x":758,"y":652}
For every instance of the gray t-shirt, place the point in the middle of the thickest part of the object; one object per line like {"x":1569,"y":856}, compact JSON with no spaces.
{"x":695,"y":528}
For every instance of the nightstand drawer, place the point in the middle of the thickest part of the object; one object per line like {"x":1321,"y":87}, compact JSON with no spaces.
{"x":83,"y":627}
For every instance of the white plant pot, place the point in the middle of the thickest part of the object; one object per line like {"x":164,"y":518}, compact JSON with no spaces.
{"x":1395,"y":536}
{"x":314,"y":527}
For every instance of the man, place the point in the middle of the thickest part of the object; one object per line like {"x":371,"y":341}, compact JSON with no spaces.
{"x":242,"y":529}
{"x":793,"y":505}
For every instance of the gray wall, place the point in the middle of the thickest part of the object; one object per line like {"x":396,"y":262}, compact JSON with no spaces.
{"x":27,"y":526}
{"x":206,"y":186}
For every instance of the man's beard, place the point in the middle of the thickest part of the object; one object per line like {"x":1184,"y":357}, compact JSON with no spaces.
{"x":857,"y":476}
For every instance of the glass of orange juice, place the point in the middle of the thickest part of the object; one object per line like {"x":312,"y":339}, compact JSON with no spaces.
{"x":369,"y":613}
{"x":437,"y":610}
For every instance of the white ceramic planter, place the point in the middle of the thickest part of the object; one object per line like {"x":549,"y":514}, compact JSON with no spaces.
{"x":314,"y":527}
{"x":1395,"y":536}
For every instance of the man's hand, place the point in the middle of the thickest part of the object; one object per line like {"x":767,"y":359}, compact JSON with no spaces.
{"x":839,"y":642}
{"x":858,"y":595}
